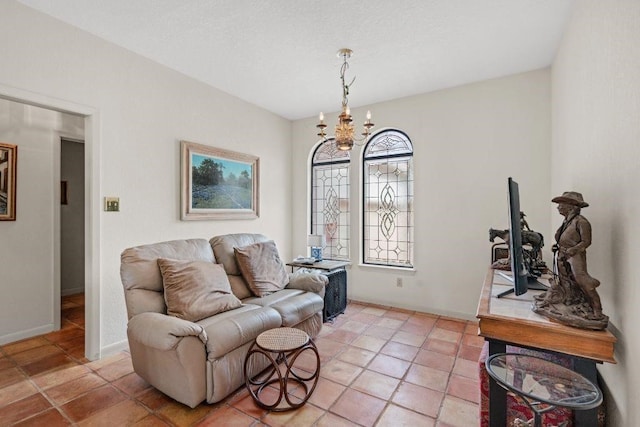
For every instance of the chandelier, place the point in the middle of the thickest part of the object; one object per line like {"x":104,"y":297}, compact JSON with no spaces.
{"x":344,"y":132}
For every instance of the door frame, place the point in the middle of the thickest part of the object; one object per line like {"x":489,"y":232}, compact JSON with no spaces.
{"x":92,"y":209}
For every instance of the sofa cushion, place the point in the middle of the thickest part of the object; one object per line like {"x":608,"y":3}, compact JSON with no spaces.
{"x":194,"y":290}
{"x":293,"y":305}
{"x":141,"y":276}
{"x":273,"y":298}
{"x":262,"y":267}
{"x":223,"y":248}
{"x":233,"y":329}
{"x":239,"y":286}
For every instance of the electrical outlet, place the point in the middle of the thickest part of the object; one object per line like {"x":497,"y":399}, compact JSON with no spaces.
{"x":399,"y":282}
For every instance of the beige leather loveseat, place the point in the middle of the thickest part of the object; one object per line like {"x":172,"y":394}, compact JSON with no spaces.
{"x":169,"y":286}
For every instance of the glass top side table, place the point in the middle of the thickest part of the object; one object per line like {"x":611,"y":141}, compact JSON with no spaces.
{"x":542,"y":384}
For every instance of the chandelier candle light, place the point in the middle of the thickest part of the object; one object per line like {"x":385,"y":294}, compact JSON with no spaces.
{"x":344,"y":133}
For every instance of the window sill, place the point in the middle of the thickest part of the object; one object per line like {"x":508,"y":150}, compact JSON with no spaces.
{"x":411,"y":270}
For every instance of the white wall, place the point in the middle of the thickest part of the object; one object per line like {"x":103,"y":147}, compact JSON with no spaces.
{"x":142,"y":111}
{"x":467,"y":141}
{"x":596,"y":150}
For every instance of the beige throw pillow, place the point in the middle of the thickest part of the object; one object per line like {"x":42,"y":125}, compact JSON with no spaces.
{"x":194,"y":290}
{"x":262,"y":268}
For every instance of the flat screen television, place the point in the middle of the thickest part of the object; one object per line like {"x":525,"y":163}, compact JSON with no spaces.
{"x":521,"y":276}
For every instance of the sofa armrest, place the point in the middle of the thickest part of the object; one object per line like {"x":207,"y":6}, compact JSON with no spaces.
{"x":161,"y":331}
{"x":308,"y":280}
{"x":169,"y":353}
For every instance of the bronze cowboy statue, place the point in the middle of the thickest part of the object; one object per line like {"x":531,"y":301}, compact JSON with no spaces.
{"x":572,"y":298}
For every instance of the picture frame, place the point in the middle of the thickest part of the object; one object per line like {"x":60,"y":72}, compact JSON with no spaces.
{"x":218,"y":183}
{"x":8,"y":174}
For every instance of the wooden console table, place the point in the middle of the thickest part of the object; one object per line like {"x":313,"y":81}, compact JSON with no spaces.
{"x":510,"y":321}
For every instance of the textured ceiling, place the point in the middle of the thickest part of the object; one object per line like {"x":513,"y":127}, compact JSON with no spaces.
{"x":281,"y":54}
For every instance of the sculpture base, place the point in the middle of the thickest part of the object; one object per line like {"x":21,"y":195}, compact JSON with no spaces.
{"x":576,"y":315}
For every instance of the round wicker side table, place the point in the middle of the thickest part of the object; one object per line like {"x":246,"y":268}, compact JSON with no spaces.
{"x":281,"y":347}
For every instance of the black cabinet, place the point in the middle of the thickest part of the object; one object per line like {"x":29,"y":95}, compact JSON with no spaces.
{"x":335,"y":294}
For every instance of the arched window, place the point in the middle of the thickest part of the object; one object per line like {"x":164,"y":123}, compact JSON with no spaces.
{"x":387,"y":180}
{"x":330,"y":198}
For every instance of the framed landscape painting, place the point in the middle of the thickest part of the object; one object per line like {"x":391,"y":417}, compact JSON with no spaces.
{"x":218,"y":184}
{"x":8,"y":156}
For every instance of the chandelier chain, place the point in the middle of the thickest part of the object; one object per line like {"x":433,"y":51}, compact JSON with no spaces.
{"x":345,"y":87}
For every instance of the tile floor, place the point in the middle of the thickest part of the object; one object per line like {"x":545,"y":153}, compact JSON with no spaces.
{"x":380,"y":367}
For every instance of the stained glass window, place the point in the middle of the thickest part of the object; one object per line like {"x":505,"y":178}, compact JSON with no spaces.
{"x":330,"y":205}
{"x":388,"y":200}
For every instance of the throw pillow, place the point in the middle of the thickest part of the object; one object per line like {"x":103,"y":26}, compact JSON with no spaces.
{"x":194,"y":290}
{"x":262,"y":268}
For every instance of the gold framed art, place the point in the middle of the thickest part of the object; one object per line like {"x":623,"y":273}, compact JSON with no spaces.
{"x":218,"y":183}
{"x":8,"y":164}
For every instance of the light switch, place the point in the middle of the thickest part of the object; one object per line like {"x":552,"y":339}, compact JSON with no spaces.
{"x":112,"y":204}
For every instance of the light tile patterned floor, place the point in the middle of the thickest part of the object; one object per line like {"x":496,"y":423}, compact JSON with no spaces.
{"x":380,"y":367}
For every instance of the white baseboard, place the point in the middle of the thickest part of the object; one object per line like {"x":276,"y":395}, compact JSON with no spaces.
{"x":429,"y":310}
{"x":114,"y":348}
{"x":20,"y":335}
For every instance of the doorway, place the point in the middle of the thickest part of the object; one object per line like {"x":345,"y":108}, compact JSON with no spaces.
{"x":72,"y":246}
{"x":72,"y":206}
{"x":92,"y":248}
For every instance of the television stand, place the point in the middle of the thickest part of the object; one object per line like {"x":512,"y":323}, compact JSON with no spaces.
{"x":532,"y":283}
